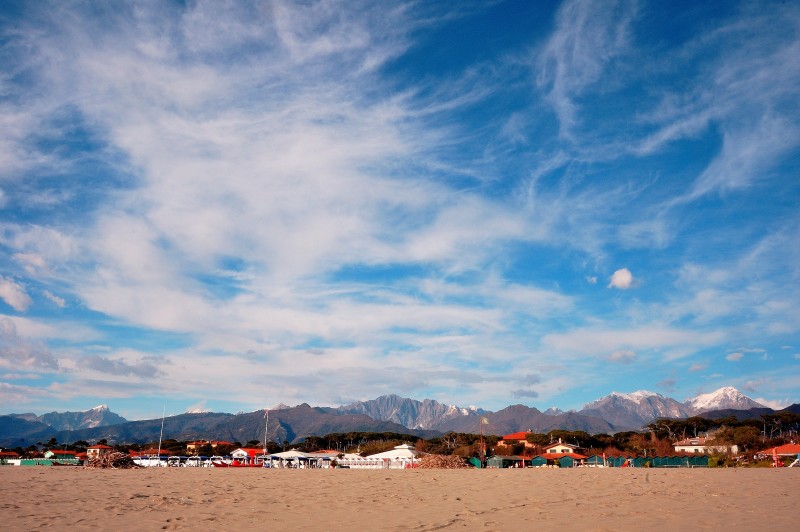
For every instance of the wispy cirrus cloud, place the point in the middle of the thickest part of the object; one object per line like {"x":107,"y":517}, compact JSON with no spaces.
{"x":586,"y":39}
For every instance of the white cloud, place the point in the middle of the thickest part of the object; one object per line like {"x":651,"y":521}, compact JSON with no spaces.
{"x":734,"y":357}
{"x":624,"y":357}
{"x":59,"y":301}
{"x":622,"y":279}
{"x":16,"y":395}
{"x":17,"y":352}
{"x":14,"y":295}
{"x":600,"y":341}
{"x":775,"y":404}
{"x":31,"y":262}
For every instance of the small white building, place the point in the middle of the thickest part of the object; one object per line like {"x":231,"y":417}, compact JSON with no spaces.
{"x":561,"y":448}
{"x":700,"y":445}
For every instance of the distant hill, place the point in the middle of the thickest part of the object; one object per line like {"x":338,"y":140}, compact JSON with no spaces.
{"x":95,"y":417}
{"x":427,"y":414}
{"x":517,"y":418}
{"x":634,"y":410}
{"x":19,"y":432}
{"x":794,"y":409}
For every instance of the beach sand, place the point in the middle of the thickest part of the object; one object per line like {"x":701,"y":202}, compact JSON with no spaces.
{"x":69,"y":498}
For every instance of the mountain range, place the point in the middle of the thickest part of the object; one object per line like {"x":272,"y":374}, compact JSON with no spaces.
{"x":390,"y":413}
{"x":96,"y":417}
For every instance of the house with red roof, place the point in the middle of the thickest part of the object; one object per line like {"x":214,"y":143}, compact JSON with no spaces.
{"x":515,"y":438}
{"x":558,"y":451}
{"x":702,"y":445}
{"x":5,"y":456}
{"x":560,"y":447}
{"x":97,"y":451}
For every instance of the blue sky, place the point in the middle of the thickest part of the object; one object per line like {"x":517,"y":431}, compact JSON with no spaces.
{"x":224,"y":206}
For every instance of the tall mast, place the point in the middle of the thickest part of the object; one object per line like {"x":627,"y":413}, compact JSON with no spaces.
{"x":161,"y":436}
{"x":266,"y":429}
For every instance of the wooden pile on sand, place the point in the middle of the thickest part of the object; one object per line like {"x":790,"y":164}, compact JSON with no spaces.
{"x":112,"y":461}
{"x":438,"y":461}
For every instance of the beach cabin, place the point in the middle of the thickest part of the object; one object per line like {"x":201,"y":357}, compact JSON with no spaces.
{"x":248,"y":456}
{"x":538,"y":461}
{"x":595,"y":460}
{"x":503,"y":462}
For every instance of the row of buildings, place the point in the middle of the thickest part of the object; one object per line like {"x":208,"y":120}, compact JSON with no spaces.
{"x":691,"y":452}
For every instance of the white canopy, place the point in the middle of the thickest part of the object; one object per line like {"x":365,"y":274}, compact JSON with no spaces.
{"x":289,"y":455}
{"x":401,"y":452}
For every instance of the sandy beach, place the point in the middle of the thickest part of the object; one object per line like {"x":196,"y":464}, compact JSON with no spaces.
{"x":36,"y":498}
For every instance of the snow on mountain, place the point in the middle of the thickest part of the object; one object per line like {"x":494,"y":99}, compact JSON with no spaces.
{"x":727,"y":397}
{"x":634,"y":410}
{"x":96,"y":417}
{"x":427,"y":414}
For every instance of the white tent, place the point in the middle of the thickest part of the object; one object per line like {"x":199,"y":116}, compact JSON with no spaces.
{"x":289,"y":455}
{"x":292,"y":458}
{"x":401,"y":452}
{"x":401,"y":457}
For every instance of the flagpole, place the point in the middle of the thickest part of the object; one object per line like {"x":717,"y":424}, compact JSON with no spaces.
{"x":483,"y":421}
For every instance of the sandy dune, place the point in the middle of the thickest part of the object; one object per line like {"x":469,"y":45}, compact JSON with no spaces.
{"x":37,"y":498}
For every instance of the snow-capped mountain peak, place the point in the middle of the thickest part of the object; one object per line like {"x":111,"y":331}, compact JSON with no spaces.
{"x":637,"y":396}
{"x":726,"y":397}
{"x":634,"y":409}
